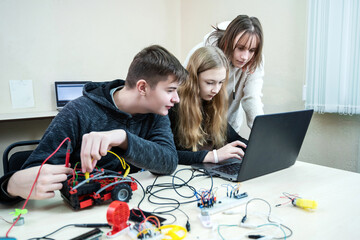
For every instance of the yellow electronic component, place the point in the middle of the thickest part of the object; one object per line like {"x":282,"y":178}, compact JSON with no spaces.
{"x":173,"y":232}
{"x":305,"y":203}
{"x":87,"y":175}
{"x":126,"y":172}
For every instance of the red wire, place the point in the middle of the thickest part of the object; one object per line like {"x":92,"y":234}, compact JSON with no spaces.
{"x":142,"y":213}
{"x":289,"y":196}
{"x":149,"y":219}
{"x":146,"y":219}
{"x":32,"y":188}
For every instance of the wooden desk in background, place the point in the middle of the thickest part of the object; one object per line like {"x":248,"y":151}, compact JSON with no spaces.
{"x":27,"y":115}
{"x":336,"y":192}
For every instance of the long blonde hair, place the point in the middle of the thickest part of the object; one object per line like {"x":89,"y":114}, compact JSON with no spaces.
{"x":200,"y":123}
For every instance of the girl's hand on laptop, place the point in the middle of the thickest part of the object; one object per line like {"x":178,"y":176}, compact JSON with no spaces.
{"x":230,"y":150}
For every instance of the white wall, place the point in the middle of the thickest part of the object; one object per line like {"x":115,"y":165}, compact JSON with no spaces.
{"x":49,"y":40}
{"x":96,"y":40}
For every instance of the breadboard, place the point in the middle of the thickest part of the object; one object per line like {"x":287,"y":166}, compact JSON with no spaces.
{"x":226,"y":203}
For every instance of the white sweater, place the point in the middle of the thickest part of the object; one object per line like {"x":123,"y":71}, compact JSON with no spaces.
{"x":247,"y":88}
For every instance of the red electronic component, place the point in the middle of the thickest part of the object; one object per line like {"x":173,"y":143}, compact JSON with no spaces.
{"x":67,"y":156}
{"x":102,"y":186}
{"x":117,"y":216}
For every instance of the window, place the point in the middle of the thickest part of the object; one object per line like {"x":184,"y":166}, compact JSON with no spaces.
{"x":333,"y":57}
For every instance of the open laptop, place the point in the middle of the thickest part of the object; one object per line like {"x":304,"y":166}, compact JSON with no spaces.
{"x":274,"y":144}
{"x":67,"y":91}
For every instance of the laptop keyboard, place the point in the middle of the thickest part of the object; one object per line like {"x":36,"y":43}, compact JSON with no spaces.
{"x":231,"y":169}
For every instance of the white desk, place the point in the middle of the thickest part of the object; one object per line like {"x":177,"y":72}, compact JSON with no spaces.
{"x":336,"y":192}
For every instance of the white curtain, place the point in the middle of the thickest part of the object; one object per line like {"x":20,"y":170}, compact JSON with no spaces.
{"x":333,"y":56}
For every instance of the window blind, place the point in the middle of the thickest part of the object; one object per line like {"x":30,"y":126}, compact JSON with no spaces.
{"x":333,"y":57}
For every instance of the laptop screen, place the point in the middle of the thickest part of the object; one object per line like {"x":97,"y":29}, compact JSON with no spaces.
{"x":67,"y":91}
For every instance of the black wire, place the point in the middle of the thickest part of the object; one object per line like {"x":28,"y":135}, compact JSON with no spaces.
{"x":174,"y":203}
{"x":41,"y":238}
{"x":5,"y":220}
{"x":268,"y":217}
{"x":46,"y":236}
{"x":143,"y":197}
{"x":287,"y":195}
{"x":163,"y":186}
{"x":161,"y":213}
{"x":173,"y":186}
{"x":167,"y":212}
{"x":184,"y":183}
{"x":184,"y":213}
{"x":175,"y":218}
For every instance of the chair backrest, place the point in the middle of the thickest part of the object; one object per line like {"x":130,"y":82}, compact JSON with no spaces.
{"x":17,"y":159}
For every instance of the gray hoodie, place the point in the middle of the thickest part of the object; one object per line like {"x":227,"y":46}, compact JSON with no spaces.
{"x":150,"y":140}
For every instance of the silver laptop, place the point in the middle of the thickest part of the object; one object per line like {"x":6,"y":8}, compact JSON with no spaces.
{"x":67,"y":91}
{"x":274,"y":144}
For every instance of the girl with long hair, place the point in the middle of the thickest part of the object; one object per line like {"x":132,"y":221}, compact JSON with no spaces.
{"x":241,"y":40}
{"x":199,"y":121}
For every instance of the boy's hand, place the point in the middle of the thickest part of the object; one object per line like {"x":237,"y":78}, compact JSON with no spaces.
{"x":96,"y":144}
{"x":50,"y":180}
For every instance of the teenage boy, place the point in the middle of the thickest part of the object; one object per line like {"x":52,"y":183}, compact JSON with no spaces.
{"x":129,"y":117}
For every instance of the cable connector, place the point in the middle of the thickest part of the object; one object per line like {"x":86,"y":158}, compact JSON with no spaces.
{"x":187,"y":226}
{"x":241,"y":195}
{"x":255,"y":236}
{"x":126,"y":172}
{"x":259,"y":237}
{"x":93,"y":225}
{"x":67,"y":157}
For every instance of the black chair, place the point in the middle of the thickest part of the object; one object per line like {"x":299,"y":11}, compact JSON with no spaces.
{"x":17,"y":159}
